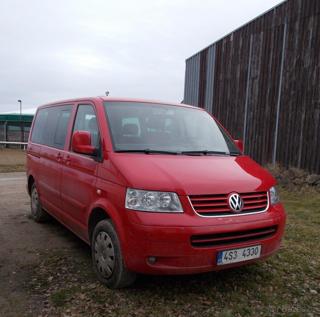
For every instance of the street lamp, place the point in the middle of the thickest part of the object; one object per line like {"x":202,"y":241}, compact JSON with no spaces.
{"x":21,"y":130}
{"x":20,"y":102}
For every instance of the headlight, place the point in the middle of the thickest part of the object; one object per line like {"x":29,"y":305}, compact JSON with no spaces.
{"x":152,"y":201}
{"x":274,"y":197}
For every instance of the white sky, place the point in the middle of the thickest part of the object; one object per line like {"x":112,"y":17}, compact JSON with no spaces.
{"x":58,"y":49}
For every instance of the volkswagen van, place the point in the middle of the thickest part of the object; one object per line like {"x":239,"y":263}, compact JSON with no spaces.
{"x":152,"y":187}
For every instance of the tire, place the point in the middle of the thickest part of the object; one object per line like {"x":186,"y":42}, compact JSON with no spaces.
{"x":37,"y":213}
{"x":107,"y":258}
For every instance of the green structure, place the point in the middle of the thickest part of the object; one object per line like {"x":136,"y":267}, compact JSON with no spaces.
{"x":14,"y":128}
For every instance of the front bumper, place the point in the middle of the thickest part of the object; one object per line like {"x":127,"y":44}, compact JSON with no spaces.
{"x":174,"y":253}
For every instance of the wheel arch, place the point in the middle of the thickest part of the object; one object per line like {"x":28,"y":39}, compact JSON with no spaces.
{"x":104,"y":210}
{"x":96,"y":215}
{"x":31,"y":181}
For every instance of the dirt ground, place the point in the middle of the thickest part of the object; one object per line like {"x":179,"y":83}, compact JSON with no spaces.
{"x":46,"y":271}
{"x":22,"y":241}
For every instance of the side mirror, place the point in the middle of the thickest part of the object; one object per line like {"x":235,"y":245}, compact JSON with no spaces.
{"x":81,"y":143}
{"x":239,"y":144}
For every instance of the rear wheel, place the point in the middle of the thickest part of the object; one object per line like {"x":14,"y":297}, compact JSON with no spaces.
{"x":107,"y":257}
{"x":37,"y":213}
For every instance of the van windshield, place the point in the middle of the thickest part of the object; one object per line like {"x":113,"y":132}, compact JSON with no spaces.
{"x":160,"y":128}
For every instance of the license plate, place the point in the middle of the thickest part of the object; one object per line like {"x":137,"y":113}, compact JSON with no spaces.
{"x":238,"y":255}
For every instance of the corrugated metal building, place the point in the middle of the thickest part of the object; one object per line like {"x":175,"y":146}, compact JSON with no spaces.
{"x":262,"y":82}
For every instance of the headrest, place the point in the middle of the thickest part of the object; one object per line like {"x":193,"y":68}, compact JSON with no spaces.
{"x":130,"y":129}
{"x":93,"y":124}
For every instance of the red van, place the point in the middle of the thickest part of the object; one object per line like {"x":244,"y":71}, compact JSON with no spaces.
{"x":154,"y":188}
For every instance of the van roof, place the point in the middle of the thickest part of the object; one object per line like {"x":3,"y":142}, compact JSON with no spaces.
{"x":111,"y":99}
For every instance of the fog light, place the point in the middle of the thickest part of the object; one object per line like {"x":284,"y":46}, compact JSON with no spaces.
{"x":152,"y":259}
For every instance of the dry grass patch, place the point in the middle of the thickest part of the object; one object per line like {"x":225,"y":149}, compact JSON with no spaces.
{"x":12,"y":160}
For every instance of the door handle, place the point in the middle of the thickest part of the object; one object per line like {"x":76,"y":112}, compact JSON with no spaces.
{"x":58,"y":156}
{"x":67,"y":160}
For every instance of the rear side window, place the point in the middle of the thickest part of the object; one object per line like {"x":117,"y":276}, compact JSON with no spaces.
{"x":51,"y":126}
{"x":39,"y":125}
{"x":86,"y":120}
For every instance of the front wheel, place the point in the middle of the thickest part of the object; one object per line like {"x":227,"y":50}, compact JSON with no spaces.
{"x":107,"y":258}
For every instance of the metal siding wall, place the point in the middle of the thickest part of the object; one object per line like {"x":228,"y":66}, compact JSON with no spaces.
{"x":191,"y":92}
{"x":187,"y":88}
{"x":236,"y":81}
{"x":299,"y":119}
{"x":210,"y":78}
{"x":230,"y":78}
{"x":203,"y":78}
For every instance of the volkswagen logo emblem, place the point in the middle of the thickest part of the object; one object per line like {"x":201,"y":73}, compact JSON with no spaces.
{"x":235,"y":202}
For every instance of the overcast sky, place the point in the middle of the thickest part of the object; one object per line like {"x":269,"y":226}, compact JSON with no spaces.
{"x":57,"y":49}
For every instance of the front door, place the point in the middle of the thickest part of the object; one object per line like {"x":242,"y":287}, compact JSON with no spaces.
{"x":78,"y":186}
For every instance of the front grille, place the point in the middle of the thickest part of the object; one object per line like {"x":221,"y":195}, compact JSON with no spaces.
{"x":217,"y":205}
{"x":225,"y":238}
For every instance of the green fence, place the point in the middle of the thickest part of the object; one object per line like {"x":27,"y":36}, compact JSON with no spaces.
{"x":14,"y":128}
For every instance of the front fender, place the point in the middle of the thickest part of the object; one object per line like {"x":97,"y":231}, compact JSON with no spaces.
{"x":113,"y":213}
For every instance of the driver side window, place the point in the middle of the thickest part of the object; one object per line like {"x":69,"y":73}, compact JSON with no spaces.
{"x":86,"y":120}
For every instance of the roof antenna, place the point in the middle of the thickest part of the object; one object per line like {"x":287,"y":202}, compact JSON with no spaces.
{"x":107,"y":93}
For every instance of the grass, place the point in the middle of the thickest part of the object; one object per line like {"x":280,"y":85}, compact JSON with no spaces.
{"x":62,"y":296}
{"x":287,"y":284}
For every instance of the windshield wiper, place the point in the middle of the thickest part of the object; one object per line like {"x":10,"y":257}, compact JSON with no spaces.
{"x":207,"y":152}
{"x":148,"y":151}
{"x":203,"y":152}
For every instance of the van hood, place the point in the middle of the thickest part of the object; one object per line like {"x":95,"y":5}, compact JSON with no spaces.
{"x":192,"y":175}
